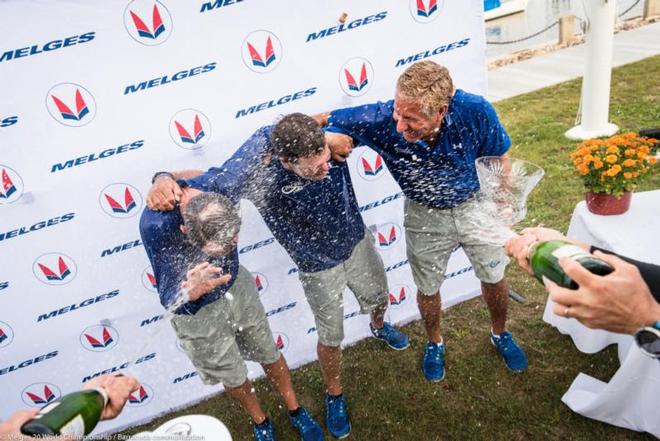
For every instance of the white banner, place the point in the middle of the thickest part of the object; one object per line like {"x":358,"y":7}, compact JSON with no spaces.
{"x":98,"y":95}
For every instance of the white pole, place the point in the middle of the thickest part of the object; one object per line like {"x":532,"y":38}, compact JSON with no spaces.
{"x":597,"y":72}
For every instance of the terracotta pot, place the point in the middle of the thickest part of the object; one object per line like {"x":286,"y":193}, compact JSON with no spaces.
{"x":607,"y":204}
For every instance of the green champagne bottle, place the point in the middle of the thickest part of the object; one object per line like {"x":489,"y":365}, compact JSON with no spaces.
{"x":74,"y":414}
{"x":544,"y":260}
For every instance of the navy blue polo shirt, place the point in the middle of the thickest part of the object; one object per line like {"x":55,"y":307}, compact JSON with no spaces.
{"x":172,"y":256}
{"x":442,"y":176}
{"x":317,"y":222}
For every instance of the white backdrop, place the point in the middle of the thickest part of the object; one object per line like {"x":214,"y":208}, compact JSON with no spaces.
{"x":97,"y":95}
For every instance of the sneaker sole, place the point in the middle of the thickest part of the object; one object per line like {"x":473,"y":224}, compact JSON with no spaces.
{"x":434,"y":380}
{"x":350,"y":427}
{"x":515,"y":371}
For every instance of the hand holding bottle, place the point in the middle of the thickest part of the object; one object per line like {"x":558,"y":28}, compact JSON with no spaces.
{"x":118,"y":388}
{"x":618,"y":302}
{"x":73,"y":415}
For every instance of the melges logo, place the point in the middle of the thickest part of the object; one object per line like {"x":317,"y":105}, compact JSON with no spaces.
{"x":356,"y":76}
{"x":281,"y":341}
{"x":99,"y":338}
{"x":143,"y":395}
{"x":71,"y":104}
{"x":6,"y":334}
{"x":54,"y":269}
{"x":40,"y":394}
{"x":261,"y":282}
{"x":11,"y":188}
{"x":370,"y":165}
{"x":148,"y":22}
{"x":149,"y":280}
{"x":425,"y":11}
{"x":120,"y":200}
{"x":262,"y":51}
{"x":398,"y":294}
{"x":386,"y":235}
{"x":190,"y":129}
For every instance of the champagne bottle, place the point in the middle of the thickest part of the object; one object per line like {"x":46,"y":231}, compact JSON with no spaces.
{"x":74,"y":414}
{"x":544,"y":260}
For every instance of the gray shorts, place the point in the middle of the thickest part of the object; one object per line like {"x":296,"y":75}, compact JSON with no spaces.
{"x":432,"y":234}
{"x":363,"y":273}
{"x":226,"y":332}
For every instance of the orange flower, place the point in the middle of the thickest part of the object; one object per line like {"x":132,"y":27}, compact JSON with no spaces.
{"x":598,"y":164}
{"x":627,"y":175}
{"x":583,"y":169}
{"x":614,"y":170}
{"x":613,"y":149}
{"x":612,"y":158}
{"x":629,"y":163}
{"x":651,"y":160}
{"x":629,"y":152}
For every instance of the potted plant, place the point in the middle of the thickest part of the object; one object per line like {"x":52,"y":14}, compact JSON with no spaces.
{"x":611,"y":169}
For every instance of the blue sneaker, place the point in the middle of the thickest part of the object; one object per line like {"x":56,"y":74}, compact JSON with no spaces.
{"x":433,"y":365}
{"x":263,"y":431}
{"x":309,"y":429}
{"x":336,"y":416}
{"x":394,"y":338}
{"x":514,"y":356}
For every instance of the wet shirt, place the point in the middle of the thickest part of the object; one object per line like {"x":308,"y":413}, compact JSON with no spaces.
{"x":442,"y":176}
{"x":317,"y":222}
{"x":172,"y":256}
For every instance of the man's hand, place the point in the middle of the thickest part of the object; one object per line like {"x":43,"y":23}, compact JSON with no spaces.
{"x":619,"y":302}
{"x":519,"y":247}
{"x":340,"y":145}
{"x":203,"y":279}
{"x":118,"y":389}
{"x":10,"y":429}
{"x":164,"y":194}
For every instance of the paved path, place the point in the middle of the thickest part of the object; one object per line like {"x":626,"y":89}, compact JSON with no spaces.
{"x":566,"y":64}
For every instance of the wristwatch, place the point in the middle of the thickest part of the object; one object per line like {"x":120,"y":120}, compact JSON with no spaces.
{"x":648,"y":340}
{"x":162,"y":173}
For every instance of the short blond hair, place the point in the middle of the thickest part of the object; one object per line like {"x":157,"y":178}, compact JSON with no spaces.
{"x":428,"y":83}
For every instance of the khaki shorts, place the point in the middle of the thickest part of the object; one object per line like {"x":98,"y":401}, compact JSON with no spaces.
{"x":363,"y":273}
{"x":432,"y":234}
{"x":226,"y":332}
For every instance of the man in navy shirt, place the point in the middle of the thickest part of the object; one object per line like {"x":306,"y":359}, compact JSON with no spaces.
{"x":429,"y":136}
{"x":308,"y":203}
{"x":217,"y":314}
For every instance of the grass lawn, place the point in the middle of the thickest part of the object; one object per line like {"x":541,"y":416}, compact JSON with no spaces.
{"x":388,"y":397}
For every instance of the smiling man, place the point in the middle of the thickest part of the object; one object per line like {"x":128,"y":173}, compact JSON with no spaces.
{"x":308,"y":203}
{"x":429,"y":136}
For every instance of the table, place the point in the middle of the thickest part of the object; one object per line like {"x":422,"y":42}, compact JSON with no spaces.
{"x":631,"y":399}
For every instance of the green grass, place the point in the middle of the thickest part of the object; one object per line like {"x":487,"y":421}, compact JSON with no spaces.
{"x":479,"y":399}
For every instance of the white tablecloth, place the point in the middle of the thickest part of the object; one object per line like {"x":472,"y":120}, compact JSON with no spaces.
{"x":631,"y":398}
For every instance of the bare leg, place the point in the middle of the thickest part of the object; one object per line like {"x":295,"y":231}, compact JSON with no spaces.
{"x":496,"y":296}
{"x":245,"y":395}
{"x":429,"y":308}
{"x":378,"y":316}
{"x":330,"y":361}
{"x":278,"y":374}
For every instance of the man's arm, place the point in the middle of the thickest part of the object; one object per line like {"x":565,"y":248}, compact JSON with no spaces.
{"x":649,"y":272}
{"x":165,"y":193}
{"x":230,"y":178}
